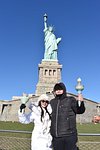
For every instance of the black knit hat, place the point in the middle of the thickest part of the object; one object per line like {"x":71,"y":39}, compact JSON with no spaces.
{"x":58,"y":87}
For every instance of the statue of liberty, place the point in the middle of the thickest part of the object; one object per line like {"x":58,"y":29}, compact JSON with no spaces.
{"x":51,"y":42}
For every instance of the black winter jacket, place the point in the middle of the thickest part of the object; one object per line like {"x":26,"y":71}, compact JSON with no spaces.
{"x":64,"y":110}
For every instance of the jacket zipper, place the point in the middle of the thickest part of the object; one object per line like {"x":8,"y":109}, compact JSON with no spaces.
{"x":57,"y":117}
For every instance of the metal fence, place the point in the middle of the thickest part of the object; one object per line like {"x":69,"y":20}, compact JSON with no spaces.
{"x":21,"y":140}
{"x":15,"y":140}
{"x":88,"y":141}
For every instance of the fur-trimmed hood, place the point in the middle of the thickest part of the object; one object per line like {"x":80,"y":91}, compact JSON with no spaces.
{"x":43,"y":97}
{"x":34,"y":106}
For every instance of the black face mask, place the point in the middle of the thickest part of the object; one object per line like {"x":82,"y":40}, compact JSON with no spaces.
{"x":59,"y":96}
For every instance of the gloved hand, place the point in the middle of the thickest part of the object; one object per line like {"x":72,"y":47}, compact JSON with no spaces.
{"x":22,"y":106}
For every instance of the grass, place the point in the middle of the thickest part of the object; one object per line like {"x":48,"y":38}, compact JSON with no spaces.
{"x":88,"y":128}
{"x":15,"y":126}
{"x":81,"y":128}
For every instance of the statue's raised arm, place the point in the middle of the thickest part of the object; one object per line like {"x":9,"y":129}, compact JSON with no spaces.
{"x":50,"y":41}
{"x":45,"y":21}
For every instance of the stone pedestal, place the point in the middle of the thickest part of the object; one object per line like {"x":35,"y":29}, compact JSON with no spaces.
{"x":49,"y":74}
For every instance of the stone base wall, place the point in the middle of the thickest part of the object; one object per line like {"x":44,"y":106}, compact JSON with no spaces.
{"x":49,"y":75}
{"x":9,"y":109}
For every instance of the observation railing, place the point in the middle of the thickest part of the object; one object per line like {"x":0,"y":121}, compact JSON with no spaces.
{"x":21,"y":140}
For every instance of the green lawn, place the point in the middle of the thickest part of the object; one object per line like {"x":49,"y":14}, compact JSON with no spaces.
{"x":16,"y":126}
{"x":82,"y":128}
{"x":88,"y":128}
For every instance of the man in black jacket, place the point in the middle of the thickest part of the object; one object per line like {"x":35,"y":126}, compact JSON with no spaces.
{"x":63,"y":119}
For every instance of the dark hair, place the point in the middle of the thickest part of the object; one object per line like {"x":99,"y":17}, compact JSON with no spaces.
{"x":42,"y":112}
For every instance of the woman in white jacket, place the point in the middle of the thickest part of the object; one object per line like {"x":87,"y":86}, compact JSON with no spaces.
{"x":40,"y":115}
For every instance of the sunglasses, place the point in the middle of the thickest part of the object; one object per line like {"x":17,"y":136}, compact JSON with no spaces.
{"x":43,"y":101}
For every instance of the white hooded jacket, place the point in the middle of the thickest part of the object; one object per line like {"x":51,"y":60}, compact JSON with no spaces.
{"x":41,"y":138}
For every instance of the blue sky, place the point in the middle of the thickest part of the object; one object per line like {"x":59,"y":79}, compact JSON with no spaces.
{"x":22,"y":44}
